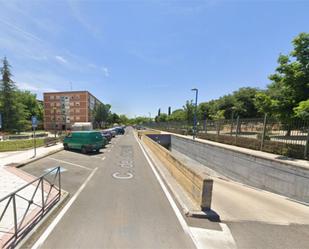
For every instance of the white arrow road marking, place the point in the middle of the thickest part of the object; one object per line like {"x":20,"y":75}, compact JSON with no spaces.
{"x":213,"y":239}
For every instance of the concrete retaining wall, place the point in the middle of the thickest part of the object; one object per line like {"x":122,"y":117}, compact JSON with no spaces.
{"x":195,"y":182}
{"x":282,"y":178}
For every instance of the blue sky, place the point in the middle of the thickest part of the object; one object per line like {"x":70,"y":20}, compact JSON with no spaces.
{"x":142,"y":55}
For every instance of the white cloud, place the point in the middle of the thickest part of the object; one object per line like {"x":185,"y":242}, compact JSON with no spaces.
{"x":34,"y":87}
{"x":61,"y":59}
{"x":105,"y":71}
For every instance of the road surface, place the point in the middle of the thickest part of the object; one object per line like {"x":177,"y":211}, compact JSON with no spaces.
{"x":122,"y":206}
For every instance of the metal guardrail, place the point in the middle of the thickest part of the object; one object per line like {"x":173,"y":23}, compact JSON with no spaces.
{"x":265,"y":134}
{"x":45,"y":193}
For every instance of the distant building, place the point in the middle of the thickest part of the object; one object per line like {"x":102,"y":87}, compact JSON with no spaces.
{"x":63,"y":109}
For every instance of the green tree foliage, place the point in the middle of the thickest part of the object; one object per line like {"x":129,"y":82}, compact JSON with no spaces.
{"x":11,"y":109}
{"x":290,"y":82}
{"x":189,"y":111}
{"x":7,"y":88}
{"x":302,"y":110}
{"x":123,"y":119}
{"x":162,"y":118}
{"x":101,"y":114}
{"x":177,"y":115}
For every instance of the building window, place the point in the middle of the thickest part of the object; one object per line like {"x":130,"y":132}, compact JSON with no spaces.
{"x":77,"y":110}
{"x":77,"y":103}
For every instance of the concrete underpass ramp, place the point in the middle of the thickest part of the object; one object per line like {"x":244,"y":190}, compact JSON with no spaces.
{"x":121,"y":205}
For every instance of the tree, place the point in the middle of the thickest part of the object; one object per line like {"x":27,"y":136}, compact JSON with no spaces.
{"x":302,"y":110}
{"x":32,"y":106}
{"x":290,"y":82}
{"x":101,"y":114}
{"x":7,"y":98}
{"x":189,"y":111}
{"x":177,"y":115}
{"x":123,"y":119}
{"x":162,"y":118}
{"x":113,"y":118}
{"x":244,"y":102}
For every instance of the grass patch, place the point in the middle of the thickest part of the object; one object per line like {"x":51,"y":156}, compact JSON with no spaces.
{"x":20,"y":144}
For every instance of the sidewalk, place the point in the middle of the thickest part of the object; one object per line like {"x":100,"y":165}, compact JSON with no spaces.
{"x":12,"y":179}
{"x":18,"y":157}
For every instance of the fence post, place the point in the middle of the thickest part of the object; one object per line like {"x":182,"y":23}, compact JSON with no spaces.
{"x":232,"y":124}
{"x":264,"y":131}
{"x":237,"y":128}
{"x":204,"y":124}
{"x":307,"y":145}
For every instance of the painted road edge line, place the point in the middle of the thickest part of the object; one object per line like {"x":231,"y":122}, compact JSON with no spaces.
{"x":51,"y":227}
{"x":179,"y":216}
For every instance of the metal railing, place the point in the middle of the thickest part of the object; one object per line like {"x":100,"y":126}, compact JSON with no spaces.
{"x":25,"y":207}
{"x":265,"y":134}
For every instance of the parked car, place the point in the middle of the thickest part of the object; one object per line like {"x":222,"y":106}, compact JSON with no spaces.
{"x":85,"y":141}
{"x":112,"y":131}
{"x":119,"y":130}
{"x":107,"y":134}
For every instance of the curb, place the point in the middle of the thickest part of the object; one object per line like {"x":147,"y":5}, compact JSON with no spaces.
{"x":19,"y":165}
{"x":44,"y":221}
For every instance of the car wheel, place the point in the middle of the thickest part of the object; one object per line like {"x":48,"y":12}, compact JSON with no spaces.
{"x":97,"y":150}
{"x":65,"y":146}
{"x":84,"y":150}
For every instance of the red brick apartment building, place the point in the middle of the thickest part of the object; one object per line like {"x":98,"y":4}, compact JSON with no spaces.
{"x":63,"y":109}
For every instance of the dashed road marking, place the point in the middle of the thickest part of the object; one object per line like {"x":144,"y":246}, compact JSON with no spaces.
{"x":103,"y":158}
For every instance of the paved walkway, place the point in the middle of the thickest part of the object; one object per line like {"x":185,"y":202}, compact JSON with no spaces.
{"x":12,"y":157}
{"x":11,"y":179}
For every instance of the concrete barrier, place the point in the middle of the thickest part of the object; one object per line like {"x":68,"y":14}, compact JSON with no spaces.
{"x":280,"y":177}
{"x":145,"y":132}
{"x":193,"y":180}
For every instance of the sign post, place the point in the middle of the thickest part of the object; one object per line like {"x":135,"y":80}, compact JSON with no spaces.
{"x":0,"y":126}
{"x":34,"y":122}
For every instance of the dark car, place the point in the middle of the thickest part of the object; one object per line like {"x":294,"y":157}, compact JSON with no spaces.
{"x":119,"y":130}
{"x":107,"y":134}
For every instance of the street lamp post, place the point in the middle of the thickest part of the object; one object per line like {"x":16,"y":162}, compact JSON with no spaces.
{"x":195,"y":113}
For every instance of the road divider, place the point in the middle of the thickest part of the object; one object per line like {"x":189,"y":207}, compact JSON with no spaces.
{"x":195,"y":182}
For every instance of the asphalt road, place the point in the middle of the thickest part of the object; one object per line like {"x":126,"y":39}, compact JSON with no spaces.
{"x":121,"y":206}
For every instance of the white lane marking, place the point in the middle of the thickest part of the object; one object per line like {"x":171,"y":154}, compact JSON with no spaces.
{"x":103,"y":158}
{"x":181,"y":220}
{"x":74,"y":164}
{"x":51,"y":227}
{"x":108,"y":151}
{"x":214,"y":239}
{"x":126,"y":176}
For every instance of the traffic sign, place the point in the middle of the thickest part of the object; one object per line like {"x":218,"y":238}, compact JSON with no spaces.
{"x":34,"y":121}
